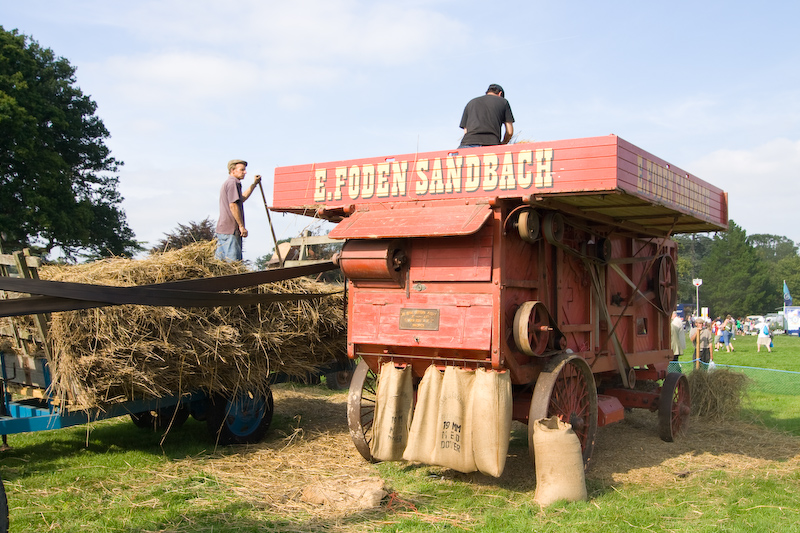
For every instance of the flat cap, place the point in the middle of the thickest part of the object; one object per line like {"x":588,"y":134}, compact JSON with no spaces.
{"x":233,"y":162}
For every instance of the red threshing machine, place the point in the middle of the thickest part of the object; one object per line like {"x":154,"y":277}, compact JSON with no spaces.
{"x":549,"y":260}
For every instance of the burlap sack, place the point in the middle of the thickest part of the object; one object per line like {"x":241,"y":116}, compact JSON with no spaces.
{"x":559,"y":462}
{"x":454,"y":439}
{"x":424,"y":432}
{"x":393,"y":404}
{"x":491,"y":420}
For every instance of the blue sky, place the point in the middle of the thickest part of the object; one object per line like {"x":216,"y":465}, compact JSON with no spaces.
{"x":185,"y":85}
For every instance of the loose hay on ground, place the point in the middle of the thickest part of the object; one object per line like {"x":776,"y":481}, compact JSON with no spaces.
{"x":111,"y":354}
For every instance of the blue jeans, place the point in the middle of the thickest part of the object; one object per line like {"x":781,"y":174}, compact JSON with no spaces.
{"x":229,"y":247}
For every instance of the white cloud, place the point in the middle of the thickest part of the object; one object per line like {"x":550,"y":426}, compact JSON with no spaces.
{"x":761,"y":183}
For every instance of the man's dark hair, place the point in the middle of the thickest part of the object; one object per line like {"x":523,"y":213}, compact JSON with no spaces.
{"x":496,"y":89}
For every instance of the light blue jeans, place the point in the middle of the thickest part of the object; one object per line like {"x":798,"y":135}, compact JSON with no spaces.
{"x":229,"y":247}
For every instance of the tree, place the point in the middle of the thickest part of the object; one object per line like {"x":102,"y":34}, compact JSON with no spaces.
{"x":58,"y":186}
{"x":692,"y":251}
{"x":185,"y":235}
{"x":735,"y":279}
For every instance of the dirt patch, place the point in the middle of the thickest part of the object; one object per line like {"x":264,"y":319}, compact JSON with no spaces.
{"x":317,"y":452}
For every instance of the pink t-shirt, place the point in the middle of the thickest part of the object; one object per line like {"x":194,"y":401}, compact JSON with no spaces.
{"x":230,"y":192}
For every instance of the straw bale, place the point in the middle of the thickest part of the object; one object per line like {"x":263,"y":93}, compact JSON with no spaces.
{"x":118,"y":353}
{"x":718,"y":394}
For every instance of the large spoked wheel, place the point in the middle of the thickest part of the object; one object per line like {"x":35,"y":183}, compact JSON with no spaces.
{"x":566,"y":389}
{"x":667,"y":290}
{"x":243,"y":419}
{"x":161,"y":419}
{"x":674,"y":407}
{"x":361,"y":408}
{"x":531,"y":328}
{"x":3,"y":509}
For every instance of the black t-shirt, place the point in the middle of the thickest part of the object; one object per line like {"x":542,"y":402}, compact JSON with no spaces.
{"x":483,"y":119}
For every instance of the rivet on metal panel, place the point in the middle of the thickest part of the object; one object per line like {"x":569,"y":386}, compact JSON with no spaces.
{"x":419,"y":287}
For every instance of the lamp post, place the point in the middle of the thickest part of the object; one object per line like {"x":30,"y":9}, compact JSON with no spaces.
{"x":697,"y":282}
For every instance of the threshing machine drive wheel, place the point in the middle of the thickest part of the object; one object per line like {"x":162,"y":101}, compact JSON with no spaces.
{"x":566,"y":388}
{"x":240,"y":419}
{"x":667,"y":290}
{"x":528,"y":225}
{"x":361,"y":408}
{"x":531,"y":328}
{"x":674,"y":407}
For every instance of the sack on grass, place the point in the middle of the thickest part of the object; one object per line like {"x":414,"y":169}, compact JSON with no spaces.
{"x":422,"y":437}
{"x":393,"y":404}
{"x":491,"y":420}
{"x":559,"y":462}
{"x":454,"y":440}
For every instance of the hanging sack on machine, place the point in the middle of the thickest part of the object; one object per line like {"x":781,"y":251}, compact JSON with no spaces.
{"x":393,"y":404}
{"x":453,"y":447}
{"x":558,"y":461}
{"x":423,"y":434}
{"x":491,"y":420}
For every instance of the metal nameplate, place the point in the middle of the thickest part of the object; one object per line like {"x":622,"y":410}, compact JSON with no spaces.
{"x":421,"y":319}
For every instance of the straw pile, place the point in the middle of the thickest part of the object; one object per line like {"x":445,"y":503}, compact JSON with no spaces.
{"x":113,"y":354}
{"x":717,"y":394}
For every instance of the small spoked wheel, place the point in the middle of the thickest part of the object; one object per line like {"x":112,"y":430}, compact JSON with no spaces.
{"x":674,"y":407}
{"x":361,"y":408}
{"x":241,"y":419}
{"x":566,"y":388}
{"x":531,"y":328}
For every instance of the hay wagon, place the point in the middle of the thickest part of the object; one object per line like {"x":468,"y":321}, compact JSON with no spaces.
{"x":547,"y":263}
{"x":28,"y":400}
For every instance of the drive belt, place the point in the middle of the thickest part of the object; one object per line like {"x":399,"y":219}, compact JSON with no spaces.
{"x":52,"y":296}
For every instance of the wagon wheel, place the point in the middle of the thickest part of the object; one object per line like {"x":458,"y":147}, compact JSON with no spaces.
{"x":240,"y":419}
{"x":162,"y":418}
{"x":3,"y":509}
{"x":528,"y":225}
{"x":553,"y":227}
{"x":674,"y":407}
{"x":338,"y":380}
{"x":531,"y":328}
{"x":566,"y":388}
{"x":667,"y":290}
{"x":361,"y":408}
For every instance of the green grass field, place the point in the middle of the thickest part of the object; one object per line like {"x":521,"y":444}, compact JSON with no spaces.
{"x":114,"y":477}
{"x":773,"y":397}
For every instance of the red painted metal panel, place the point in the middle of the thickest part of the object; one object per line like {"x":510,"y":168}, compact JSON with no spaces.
{"x":604,"y":167}
{"x":453,"y":259}
{"x":413,"y":221}
{"x":465,"y":320}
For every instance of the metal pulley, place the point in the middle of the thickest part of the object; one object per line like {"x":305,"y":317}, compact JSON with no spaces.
{"x":534,"y":329}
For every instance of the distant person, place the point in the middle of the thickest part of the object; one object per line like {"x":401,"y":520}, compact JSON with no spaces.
{"x":702,"y":335}
{"x":728,"y":330}
{"x":677,"y":336}
{"x":764,"y":338}
{"x":484,"y":118}
{"x":230,"y":226}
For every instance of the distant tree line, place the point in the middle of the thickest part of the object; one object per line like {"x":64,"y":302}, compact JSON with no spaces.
{"x":742,"y":274}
